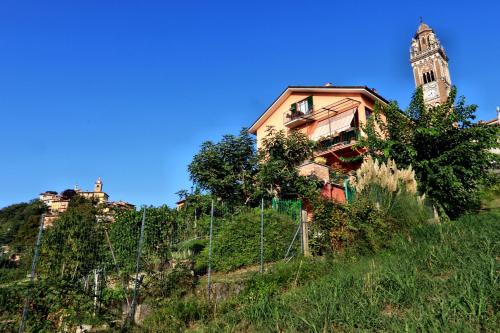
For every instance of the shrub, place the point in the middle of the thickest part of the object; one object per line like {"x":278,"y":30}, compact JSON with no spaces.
{"x":176,"y":282}
{"x":176,"y":315}
{"x":237,"y":242}
{"x":386,"y":203}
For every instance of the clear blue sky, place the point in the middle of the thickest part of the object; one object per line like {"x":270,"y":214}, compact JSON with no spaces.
{"x":128,"y":90}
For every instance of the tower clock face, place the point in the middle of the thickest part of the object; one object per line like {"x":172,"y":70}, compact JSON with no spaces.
{"x":430,"y":91}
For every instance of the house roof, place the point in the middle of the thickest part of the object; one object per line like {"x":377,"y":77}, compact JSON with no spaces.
{"x":492,"y":122}
{"x":312,"y":89}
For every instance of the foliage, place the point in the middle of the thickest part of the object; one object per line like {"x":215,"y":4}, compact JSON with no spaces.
{"x":176,"y":282}
{"x":19,"y":224}
{"x":124,"y":233}
{"x":439,"y":277}
{"x":72,"y":253}
{"x":490,"y":192}
{"x":449,"y":153}
{"x":74,"y":245}
{"x":176,"y":315}
{"x":387,"y":177}
{"x":386,"y":203}
{"x":237,"y":242}
{"x":226,"y":168}
{"x":196,"y":208}
{"x":279,"y":157}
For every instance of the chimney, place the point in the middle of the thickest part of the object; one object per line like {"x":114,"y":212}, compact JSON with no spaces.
{"x":328,"y":84}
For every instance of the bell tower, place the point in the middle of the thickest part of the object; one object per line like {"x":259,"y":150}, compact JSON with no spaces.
{"x":98,"y":185}
{"x":430,"y":65}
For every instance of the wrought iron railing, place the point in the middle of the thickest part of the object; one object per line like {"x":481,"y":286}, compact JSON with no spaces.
{"x":321,"y":113}
{"x":341,"y":139}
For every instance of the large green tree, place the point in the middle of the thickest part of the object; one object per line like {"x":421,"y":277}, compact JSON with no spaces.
{"x":279,"y":158}
{"x":226,"y":168}
{"x":448,"y":151}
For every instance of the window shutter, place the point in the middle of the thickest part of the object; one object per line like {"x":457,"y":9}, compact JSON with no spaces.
{"x":310,"y":103}
{"x":293,"y":108}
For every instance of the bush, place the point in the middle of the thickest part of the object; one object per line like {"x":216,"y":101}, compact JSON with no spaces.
{"x":386,"y":203}
{"x":176,"y":315}
{"x":176,"y":282}
{"x":237,"y":242}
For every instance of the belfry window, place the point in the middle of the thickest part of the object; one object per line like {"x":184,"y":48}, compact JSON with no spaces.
{"x":429,"y":77}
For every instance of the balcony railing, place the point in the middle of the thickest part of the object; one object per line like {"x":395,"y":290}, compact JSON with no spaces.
{"x":339,"y":141}
{"x":292,"y":119}
{"x":296,"y":118}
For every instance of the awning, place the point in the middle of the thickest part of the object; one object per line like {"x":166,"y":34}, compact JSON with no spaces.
{"x":336,"y":124}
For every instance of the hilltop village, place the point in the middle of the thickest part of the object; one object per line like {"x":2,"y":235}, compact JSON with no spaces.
{"x":59,"y":203}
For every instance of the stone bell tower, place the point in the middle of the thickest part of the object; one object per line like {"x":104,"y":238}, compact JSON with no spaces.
{"x":98,"y":185}
{"x":430,"y":65}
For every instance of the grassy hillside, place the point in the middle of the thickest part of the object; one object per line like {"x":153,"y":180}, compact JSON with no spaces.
{"x":438,"y":278}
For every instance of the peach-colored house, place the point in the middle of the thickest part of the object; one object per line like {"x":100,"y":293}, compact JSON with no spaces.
{"x":330,"y":115}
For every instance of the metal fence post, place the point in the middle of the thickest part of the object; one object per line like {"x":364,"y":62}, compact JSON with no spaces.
{"x":301,"y":233}
{"x":131,"y":313}
{"x":305,"y":233}
{"x":209,"y":282}
{"x":262,"y":237}
{"x":32,"y":275}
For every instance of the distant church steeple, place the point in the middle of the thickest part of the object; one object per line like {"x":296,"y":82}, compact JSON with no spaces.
{"x":430,"y":65}
{"x":98,"y":185}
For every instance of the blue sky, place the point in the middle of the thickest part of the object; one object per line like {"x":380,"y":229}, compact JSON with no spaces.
{"x":128,"y":90}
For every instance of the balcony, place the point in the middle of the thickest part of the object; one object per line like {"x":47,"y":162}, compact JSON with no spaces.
{"x":338,"y":141}
{"x":296,"y":118}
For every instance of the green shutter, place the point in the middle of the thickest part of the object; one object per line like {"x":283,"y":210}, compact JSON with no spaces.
{"x":310,"y":103}
{"x":293,"y":108}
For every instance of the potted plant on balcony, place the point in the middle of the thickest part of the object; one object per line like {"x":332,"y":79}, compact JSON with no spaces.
{"x":320,"y":160}
{"x":353,"y":137}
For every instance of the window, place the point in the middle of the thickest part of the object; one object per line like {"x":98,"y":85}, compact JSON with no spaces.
{"x":368,"y":113}
{"x":429,"y":77}
{"x":304,"y":106}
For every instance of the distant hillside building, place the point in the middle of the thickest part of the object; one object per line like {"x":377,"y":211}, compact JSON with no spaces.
{"x":97,"y":195}
{"x":59,"y":203}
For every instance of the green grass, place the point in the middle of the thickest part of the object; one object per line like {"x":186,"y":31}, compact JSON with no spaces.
{"x":439,"y":278}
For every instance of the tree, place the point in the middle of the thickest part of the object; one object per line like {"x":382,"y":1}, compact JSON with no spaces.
{"x":449,"y":153}
{"x":68,"y":194}
{"x":75,"y":244}
{"x":124,"y":234}
{"x":279,"y":158}
{"x":226,"y":168}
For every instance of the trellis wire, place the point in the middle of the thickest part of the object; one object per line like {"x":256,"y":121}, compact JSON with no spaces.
{"x":262,"y":237}
{"x":131,"y":313}
{"x":32,"y":275}
{"x":209,"y":278}
{"x":96,"y":278}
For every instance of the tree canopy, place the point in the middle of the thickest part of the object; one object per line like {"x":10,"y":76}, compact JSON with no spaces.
{"x":279,"y":157}
{"x":448,"y":151}
{"x":226,"y":168}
